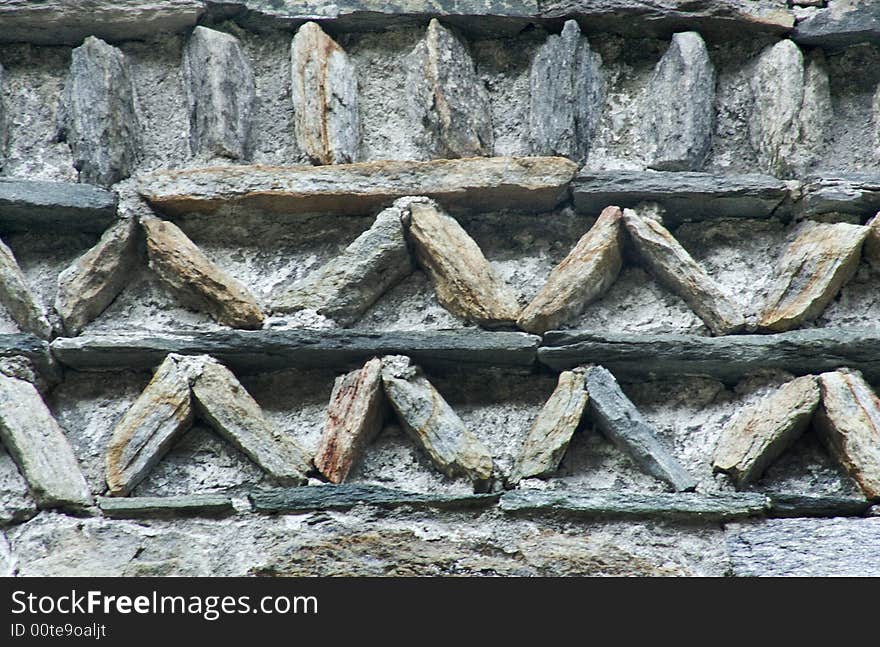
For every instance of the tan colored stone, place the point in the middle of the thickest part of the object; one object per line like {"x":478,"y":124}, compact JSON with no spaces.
{"x":812,"y":270}
{"x":195,"y":279}
{"x":761,"y":433}
{"x":871,"y":247}
{"x":463,"y":280}
{"x":17,"y":297}
{"x":587,"y":273}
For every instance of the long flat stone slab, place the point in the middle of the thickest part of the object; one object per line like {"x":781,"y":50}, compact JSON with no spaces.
{"x":841,"y":24}
{"x":686,"y":195}
{"x":344,"y":497}
{"x":478,"y":183}
{"x":268,"y":350}
{"x":644,"y":356}
{"x":853,"y":193}
{"x":195,"y":505}
{"x":29,"y":204}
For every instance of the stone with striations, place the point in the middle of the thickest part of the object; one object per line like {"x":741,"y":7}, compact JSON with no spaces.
{"x":90,"y":284}
{"x":198,"y":283}
{"x":97,"y":116}
{"x":619,"y":420}
{"x":349,"y":284}
{"x":432,"y":423}
{"x":26,"y":205}
{"x":463,"y":279}
{"x":18,"y":299}
{"x":763,"y":431}
{"x":354,"y":418}
{"x":551,"y":432}
{"x":323,"y":88}
{"x":583,"y":276}
{"x":812,"y":270}
{"x":680,"y":134}
{"x":849,"y":423}
{"x":447,"y":101}
{"x":567,"y":92}
{"x":201,"y":505}
{"x":39,"y":447}
{"x":220,"y":94}
{"x":679,"y":272}
{"x":840,"y":24}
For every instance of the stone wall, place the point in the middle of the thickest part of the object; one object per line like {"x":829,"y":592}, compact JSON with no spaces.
{"x":616,"y":262}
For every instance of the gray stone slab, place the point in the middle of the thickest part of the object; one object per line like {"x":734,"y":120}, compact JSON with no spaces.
{"x":26,"y":205}
{"x":801,"y":505}
{"x":198,"y":505}
{"x":841,"y":24}
{"x":853,"y":193}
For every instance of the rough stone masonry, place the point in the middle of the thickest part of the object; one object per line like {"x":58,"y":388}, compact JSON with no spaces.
{"x":460,"y":288}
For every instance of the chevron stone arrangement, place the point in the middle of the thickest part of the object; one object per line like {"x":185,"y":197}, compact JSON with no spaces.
{"x":520,"y":287}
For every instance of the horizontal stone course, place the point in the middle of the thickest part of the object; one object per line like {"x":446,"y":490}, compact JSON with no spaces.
{"x":171,"y":506}
{"x":35,"y":204}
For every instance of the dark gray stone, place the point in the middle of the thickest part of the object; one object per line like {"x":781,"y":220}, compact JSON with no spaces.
{"x":220,"y":94}
{"x":648,"y":356}
{"x":800,"y":505}
{"x":343,"y":497}
{"x":29,"y":348}
{"x":26,"y":205}
{"x":268,"y":350}
{"x":97,"y":115}
{"x":841,"y":24}
{"x":606,"y":504}
{"x":855,"y":193}
{"x":199,"y":505}
{"x":619,"y":421}
{"x":686,"y":196}
{"x":567,"y":95}
{"x":680,"y":119}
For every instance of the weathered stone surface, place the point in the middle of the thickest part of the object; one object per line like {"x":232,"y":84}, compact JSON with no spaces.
{"x":567,"y":93}
{"x":90,"y":284}
{"x":631,"y":505}
{"x":842,"y":23}
{"x":518,"y":183}
{"x":323,"y":88}
{"x":60,"y":22}
{"x":344,"y":497}
{"x":445,"y":98}
{"x":463,"y":279}
{"x":587,"y":273}
{"x":551,"y":432}
{"x":810,"y":273}
{"x":195,"y":279}
{"x":855,"y":193}
{"x":18,"y":299}
{"x":648,"y":356}
{"x":792,"y":106}
{"x":26,"y":205}
{"x":162,"y":412}
{"x":432,"y":423}
{"x":97,"y":115}
{"x":676,"y":269}
{"x":39,"y":447}
{"x":680,"y":134}
{"x":18,"y":348}
{"x":199,"y":505}
{"x":16,"y":503}
{"x":619,"y":421}
{"x":4,"y":134}
{"x":349,"y":284}
{"x":223,"y":403}
{"x":871,"y":246}
{"x":220,"y":94}
{"x":354,"y":418}
{"x":805,"y":548}
{"x":269,"y":350}
{"x":686,"y":196}
{"x":760,"y":433}
{"x":849,"y":423}
{"x":799,"y":505}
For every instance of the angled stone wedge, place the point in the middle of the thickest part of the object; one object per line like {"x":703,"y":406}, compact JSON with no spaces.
{"x":683,"y":83}
{"x":432,"y":423}
{"x":567,"y":95}
{"x":761,"y":433}
{"x":552,"y":430}
{"x":849,"y":423}
{"x":812,"y":270}
{"x":619,"y":420}
{"x":90,"y":284}
{"x":583,"y":276}
{"x":345,"y":287}
{"x":323,"y":87}
{"x":97,"y":115}
{"x":197,"y":282}
{"x":17,"y":297}
{"x":220,"y":94}
{"x":354,"y":418}
{"x":446,"y":98}
{"x":679,"y":272}
{"x":463,"y":279}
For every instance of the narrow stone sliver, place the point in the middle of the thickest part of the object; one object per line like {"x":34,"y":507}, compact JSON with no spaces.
{"x":18,"y":298}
